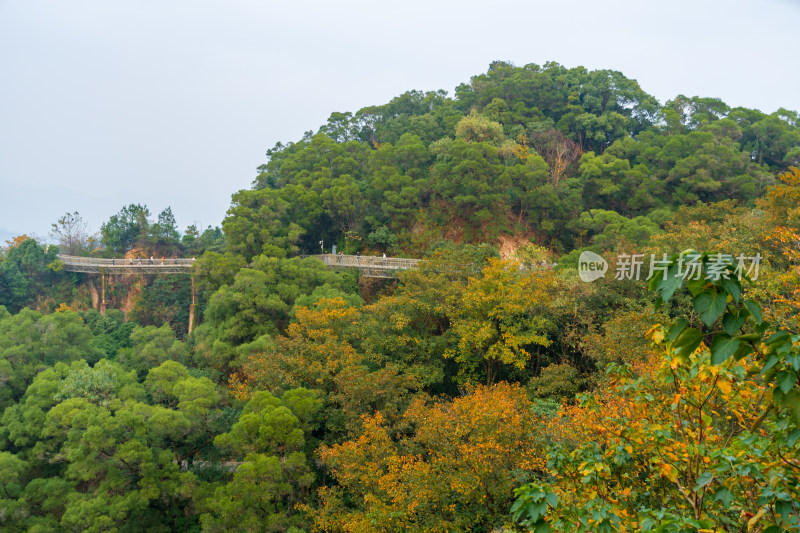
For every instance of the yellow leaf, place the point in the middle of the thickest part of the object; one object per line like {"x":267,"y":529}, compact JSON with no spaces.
{"x":756,"y":518}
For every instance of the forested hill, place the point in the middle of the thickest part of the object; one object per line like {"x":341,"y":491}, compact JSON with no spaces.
{"x":565,"y":157}
{"x":467,"y":395}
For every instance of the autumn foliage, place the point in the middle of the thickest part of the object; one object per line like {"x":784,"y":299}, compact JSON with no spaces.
{"x":701,"y":438}
{"x":448,"y":466}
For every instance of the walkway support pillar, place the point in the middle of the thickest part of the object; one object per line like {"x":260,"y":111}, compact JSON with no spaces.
{"x":102,"y":291}
{"x":191,"y":307}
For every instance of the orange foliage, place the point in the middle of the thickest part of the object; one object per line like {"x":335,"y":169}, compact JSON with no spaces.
{"x":783,"y":201}
{"x":783,"y":205}
{"x":309,"y":355}
{"x":316,"y":353}
{"x":661,"y":419}
{"x":579,"y":423}
{"x":453,"y":468}
{"x":16,"y":241}
{"x":522,"y":151}
{"x":622,"y":339}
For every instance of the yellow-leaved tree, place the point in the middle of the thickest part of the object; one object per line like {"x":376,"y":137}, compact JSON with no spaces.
{"x":703,"y":438}
{"x":451,"y":466}
{"x":497,"y":318}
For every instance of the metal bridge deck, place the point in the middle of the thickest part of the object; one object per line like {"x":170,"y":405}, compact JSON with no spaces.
{"x":93,"y":265}
{"x":375,"y":267}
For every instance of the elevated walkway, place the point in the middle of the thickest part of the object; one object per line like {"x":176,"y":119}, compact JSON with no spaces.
{"x":369,"y":266}
{"x":374,"y":267}
{"x":93,"y":265}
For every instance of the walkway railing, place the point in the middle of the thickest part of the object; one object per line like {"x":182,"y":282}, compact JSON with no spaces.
{"x":94,"y":265}
{"x":370,"y":266}
{"x":374,"y":267}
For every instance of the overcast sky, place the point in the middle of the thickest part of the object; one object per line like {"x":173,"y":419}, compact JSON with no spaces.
{"x":173,"y":103}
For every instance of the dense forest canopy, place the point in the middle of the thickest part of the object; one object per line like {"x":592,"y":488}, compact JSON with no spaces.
{"x":523,"y":150}
{"x":490,"y":389}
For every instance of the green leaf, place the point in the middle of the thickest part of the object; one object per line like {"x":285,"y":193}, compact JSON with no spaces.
{"x":772,"y":360}
{"x":516,"y":507}
{"x":763,"y":327}
{"x":786,"y":380}
{"x":703,"y":480}
{"x":702,"y":302}
{"x":665,"y":526}
{"x":743,"y":350}
{"x":732,"y":323}
{"x":783,"y":508}
{"x":710,"y":306}
{"x":724,"y":496}
{"x":696,"y":286}
{"x":552,"y":499}
{"x":667,"y":287}
{"x":687,"y":342}
{"x":722,"y":347}
{"x":792,"y":400}
{"x":733,"y":288}
{"x":676,"y":329}
{"x":793,"y":436}
{"x":779,"y":337}
{"x":754,"y":309}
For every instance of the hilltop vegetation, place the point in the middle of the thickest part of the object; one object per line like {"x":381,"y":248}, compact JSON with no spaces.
{"x":481,"y":392}
{"x":552,"y":153}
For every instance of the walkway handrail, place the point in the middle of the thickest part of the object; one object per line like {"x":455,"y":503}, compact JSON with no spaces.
{"x":378,"y":267}
{"x":365,"y":261}
{"x":102,"y":261}
{"x":93,"y":265}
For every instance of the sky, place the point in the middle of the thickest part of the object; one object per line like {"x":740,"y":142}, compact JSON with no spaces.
{"x":174,"y":103}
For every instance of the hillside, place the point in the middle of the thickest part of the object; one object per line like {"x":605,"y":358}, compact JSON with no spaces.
{"x":489,"y":389}
{"x":541,"y":151}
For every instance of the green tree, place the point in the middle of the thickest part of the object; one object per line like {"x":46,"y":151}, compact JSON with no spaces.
{"x":151,"y":346}
{"x":111,"y":331}
{"x":100,"y":458}
{"x":29,"y":342}
{"x":30,"y":274}
{"x":164,"y":301}
{"x":255,"y":306}
{"x":127,"y":229}
{"x":164,"y":237}
{"x":261,"y":222}
{"x":274,"y":474}
{"x":13,"y":471}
